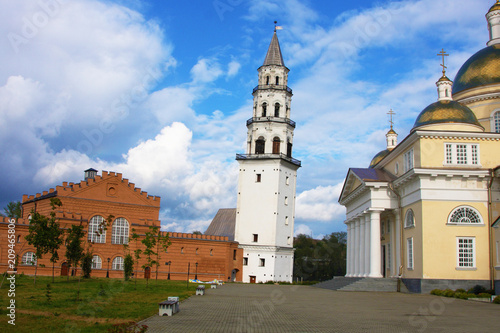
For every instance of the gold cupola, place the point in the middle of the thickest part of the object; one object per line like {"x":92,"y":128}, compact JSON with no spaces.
{"x":483,"y":68}
{"x":447,"y":114}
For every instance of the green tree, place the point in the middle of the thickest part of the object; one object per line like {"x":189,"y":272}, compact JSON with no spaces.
{"x":87,"y":264}
{"x":137,"y":254}
{"x":196,"y":232}
{"x":13,"y":209}
{"x":128,"y":266}
{"x":74,"y":248}
{"x":319,"y":260}
{"x":149,"y":241}
{"x":45,"y":235}
{"x":163,"y":242}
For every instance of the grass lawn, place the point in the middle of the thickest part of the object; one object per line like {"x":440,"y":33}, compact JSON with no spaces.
{"x":102,"y":303}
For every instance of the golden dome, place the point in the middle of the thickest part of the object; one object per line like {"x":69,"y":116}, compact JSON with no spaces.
{"x":446,"y":111}
{"x":377,"y":158}
{"x":482,"y":69}
{"x":496,"y":6}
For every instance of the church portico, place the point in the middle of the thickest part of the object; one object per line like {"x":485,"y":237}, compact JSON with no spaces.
{"x":365,"y":242}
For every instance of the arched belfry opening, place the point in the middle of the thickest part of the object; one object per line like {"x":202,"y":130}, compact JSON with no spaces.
{"x":268,"y":78}
{"x":260,"y":145}
{"x":277,"y":109}
{"x":277,"y":80}
{"x":288,"y":148}
{"x":264,"y":109}
{"x":276,"y":145}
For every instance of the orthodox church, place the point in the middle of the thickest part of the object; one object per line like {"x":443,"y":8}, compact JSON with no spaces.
{"x":427,"y":209}
{"x":263,"y":221}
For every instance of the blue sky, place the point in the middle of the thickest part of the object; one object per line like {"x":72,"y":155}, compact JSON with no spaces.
{"x":160,"y":91}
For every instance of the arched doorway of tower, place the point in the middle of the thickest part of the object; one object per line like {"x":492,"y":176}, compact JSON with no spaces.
{"x":233,"y":274}
{"x":64,"y":269}
{"x":147,"y":273}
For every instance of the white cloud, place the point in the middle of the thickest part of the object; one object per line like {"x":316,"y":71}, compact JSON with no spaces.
{"x":206,"y":70}
{"x":302,"y":229}
{"x":233,"y":68}
{"x":320,"y":204}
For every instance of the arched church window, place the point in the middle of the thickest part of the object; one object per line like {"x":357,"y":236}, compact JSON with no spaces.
{"x":267,"y":80}
{"x":465,"y":215}
{"x":277,"y":80}
{"x":289,"y":149}
{"x":259,"y":145}
{"x":409,"y":219}
{"x":276,"y":145}
{"x":277,"y":109}
{"x":264,"y":109}
{"x":496,"y":122}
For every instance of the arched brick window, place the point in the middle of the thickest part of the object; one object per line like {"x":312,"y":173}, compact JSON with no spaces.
{"x":96,"y":262}
{"x":97,"y":231}
{"x":29,"y":258}
{"x":119,"y":234}
{"x":118,"y":263}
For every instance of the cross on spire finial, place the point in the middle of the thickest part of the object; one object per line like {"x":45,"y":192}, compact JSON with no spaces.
{"x":443,"y":54}
{"x":275,"y":25}
{"x":391,"y":113}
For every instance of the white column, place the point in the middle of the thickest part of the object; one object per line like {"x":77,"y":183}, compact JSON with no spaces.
{"x":397,"y":245}
{"x":356,"y":247}
{"x":348,"y":251}
{"x":362,"y":246}
{"x":393,"y":247}
{"x":367,"y":244}
{"x":375,"y":250}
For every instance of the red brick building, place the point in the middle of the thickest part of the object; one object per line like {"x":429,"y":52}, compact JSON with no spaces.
{"x":91,"y":202}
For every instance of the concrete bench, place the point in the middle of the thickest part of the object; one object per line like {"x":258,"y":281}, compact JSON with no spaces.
{"x":200,"y":290}
{"x":168,"y":308}
{"x":175,"y":299}
{"x":220,"y":283}
{"x":213,"y":286}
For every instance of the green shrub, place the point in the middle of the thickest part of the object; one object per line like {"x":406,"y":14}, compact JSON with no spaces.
{"x":448,"y":293}
{"x":470,"y":295}
{"x":496,"y":300}
{"x":437,"y":292}
{"x":460,"y":290}
{"x":477,"y":289}
{"x":484,"y":295}
{"x":460,"y":295}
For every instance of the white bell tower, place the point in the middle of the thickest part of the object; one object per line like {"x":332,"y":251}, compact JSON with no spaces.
{"x":267,"y":177}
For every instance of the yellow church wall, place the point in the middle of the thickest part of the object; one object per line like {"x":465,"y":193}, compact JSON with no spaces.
{"x":481,"y":108}
{"x":415,"y":233}
{"x":440,"y":242}
{"x":496,"y":252}
{"x":433,"y":155}
{"x":483,"y":111}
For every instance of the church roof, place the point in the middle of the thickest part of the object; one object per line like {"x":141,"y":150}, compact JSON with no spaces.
{"x":223,"y":223}
{"x":446,"y":111}
{"x":380,"y":155}
{"x":482,"y":69}
{"x":496,"y":6}
{"x":373,"y":175}
{"x":273,"y":56}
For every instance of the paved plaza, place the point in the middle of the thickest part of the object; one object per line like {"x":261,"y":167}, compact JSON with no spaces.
{"x":271,"y":308}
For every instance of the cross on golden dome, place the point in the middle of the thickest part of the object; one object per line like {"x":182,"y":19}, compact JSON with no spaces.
{"x":391,"y":113}
{"x":443,"y":54}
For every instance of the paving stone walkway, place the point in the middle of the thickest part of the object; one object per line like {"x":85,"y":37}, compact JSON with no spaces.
{"x":249,"y":308}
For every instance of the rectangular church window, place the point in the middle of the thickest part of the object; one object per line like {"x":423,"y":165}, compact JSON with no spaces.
{"x":245,"y":261}
{"x":466,"y":252}
{"x":262,"y":262}
{"x":255,"y":238}
{"x":259,"y":178}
